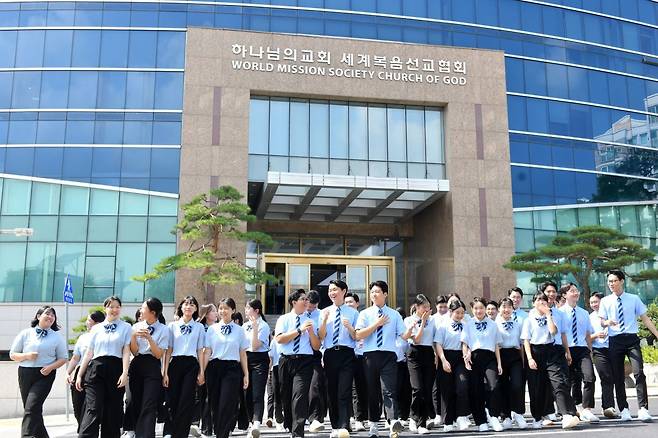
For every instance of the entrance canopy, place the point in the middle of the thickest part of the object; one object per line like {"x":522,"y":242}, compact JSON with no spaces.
{"x":343,"y":198}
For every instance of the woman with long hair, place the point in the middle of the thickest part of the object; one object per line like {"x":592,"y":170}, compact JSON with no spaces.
{"x":202,"y":415}
{"x":104,"y":371}
{"x":226,"y":357}
{"x":39,"y":351}
{"x":183,"y":366}
{"x":258,"y":362}
{"x":78,"y":397}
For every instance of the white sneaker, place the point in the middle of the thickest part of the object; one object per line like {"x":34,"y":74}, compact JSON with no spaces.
{"x":484,"y":427}
{"x":206,"y":436}
{"x":644,"y":415}
{"x":373,"y":430}
{"x":333,"y":433}
{"x":343,"y":433}
{"x":316,"y":426}
{"x":610,"y":413}
{"x":552,"y":417}
{"x":507,"y":423}
{"x":625,"y":415}
{"x":547,"y":421}
{"x":588,"y":415}
{"x":569,"y":421}
{"x":396,"y":426}
{"x":128,"y":434}
{"x":195,"y":430}
{"x":358,"y":426}
{"x":520,"y":421}
{"x":423,"y":430}
{"x":448,"y":428}
{"x":495,"y":424}
{"x":437,"y":421}
{"x":463,"y":423}
{"x":413,"y":427}
{"x":280,"y":427}
{"x":537,"y":424}
{"x":429,"y":423}
{"x":255,"y":430}
{"x":165,"y":436}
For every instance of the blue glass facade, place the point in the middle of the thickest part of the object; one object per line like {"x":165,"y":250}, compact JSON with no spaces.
{"x":91,"y":92}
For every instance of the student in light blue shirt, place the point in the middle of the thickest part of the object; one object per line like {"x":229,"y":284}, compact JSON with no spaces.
{"x":546,"y":363}
{"x":183,"y":366}
{"x":39,"y":351}
{"x":104,"y":371}
{"x":274,"y":408}
{"x":516,"y":295}
{"x":227,"y":373}
{"x":421,"y":363}
{"x":360,"y":386}
{"x":79,"y":351}
{"x":297,"y":338}
{"x":258,"y":361}
{"x":379,"y":327}
{"x":453,"y":375}
{"x":148,"y":343}
{"x":619,"y":313}
{"x":581,"y":369}
{"x":317,"y":403}
{"x":601,"y":357}
{"x":511,"y":384}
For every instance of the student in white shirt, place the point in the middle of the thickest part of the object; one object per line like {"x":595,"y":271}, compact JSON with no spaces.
{"x":360,"y":386}
{"x":78,"y":397}
{"x":620,"y":312}
{"x":208,"y":316}
{"x":227,"y":374}
{"x":516,"y":295}
{"x":104,"y":373}
{"x":480,"y":342}
{"x":601,"y":357}
{"x":258,"y":362}
{"x":183,"y":366}
{"x":39,"y":351}
{"x":441,"y":305}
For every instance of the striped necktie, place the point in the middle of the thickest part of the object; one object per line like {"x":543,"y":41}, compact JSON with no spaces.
{"x":380,"y":331}
{"x":620,"y":314}
{"x":516,"y":319}
{"x":336,"y":327}
{"x":295,"y":344}
{"x":574,"y":327}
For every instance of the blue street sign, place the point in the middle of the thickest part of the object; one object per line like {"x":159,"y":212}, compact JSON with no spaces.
{"x":68,"y":290}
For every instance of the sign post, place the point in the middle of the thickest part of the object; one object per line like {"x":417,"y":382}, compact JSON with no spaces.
{"x":68,"y":299}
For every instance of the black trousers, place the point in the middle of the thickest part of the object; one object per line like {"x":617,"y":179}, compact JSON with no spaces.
{"x":603,"y":366}
{"x":259,"y":364}
{"x":551,"y":373}
{"x":422,"y":375}
{"x":581,"y":373}
{"x":202,"y":413}
{"x":549,"y":398}
{"x":339,"y":368}
{"x":34,"y":388}
{"x":381,"y":371}
{"x":143,"y":399}
{"x":295,"y":374}
{"x":404,"y":392}
{"x":483,"y":384}
{"x":436,"y":392}
{"x":103,"y":400}
{"x":77,"y":399}
{"x":628,"y":345}
{"x":317,"y":404}
{"x":359,"y":390}
{"x":274,"y":408}
{"x":183,"y":372}
{"x":454,"y":387}
{"x":224,"y":382}
{"x":511,"y":384}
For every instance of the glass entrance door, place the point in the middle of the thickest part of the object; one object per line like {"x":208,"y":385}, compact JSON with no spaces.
{"x":308,"y":272}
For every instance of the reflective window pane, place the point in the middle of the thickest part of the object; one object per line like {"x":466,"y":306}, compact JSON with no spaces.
{"x":279,"y":127}
{"x":358,"y":132}
{"x":299,"y":137}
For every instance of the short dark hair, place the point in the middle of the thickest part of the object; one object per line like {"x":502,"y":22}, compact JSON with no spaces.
{"x":506,"y":301}
{"x":295,"y":296}
{"x":515,"y":289}
{"x":454,"y":294}
{"x":456,"y":304}
{"x":421,"y":300}
{"x":479,"y":300}
{"x":544,"y":285}
{"x":539,"y":296}
{"x":313,"y":296}
{"x":40,"y":311}
{"x":598,"y":295}
{"x":402,"y":312}
{"x":492,"y":302}
{"x":617,"y":273}
{"x":237,"y":318}
{"x":97,"y":316}
{"x":109,"y":300}
{"x":441,"y":299}
{"x":188,"y":300}
{"x":340,"y":284}
{"x":564,"y":289}
{"x":355,"y":296}
{"x":380,"y":284}
{"x":228,"y":301}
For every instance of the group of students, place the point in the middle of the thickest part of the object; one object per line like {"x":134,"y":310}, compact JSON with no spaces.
{"x":423,"y":368}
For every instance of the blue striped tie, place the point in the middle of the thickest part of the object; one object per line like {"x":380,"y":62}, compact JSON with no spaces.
{"x":336,"y":327}
{"x":516,"y":319}
{"x":574,"y":327}
{"x":620,"y":314}
{"x":380,"y":331}
{"x":295,"y":344}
